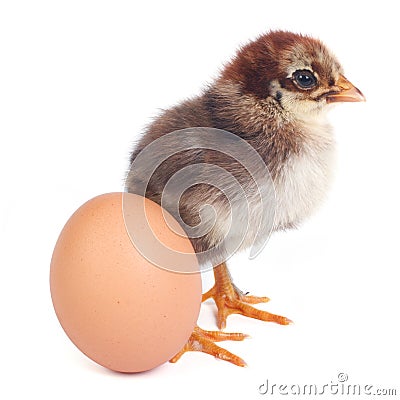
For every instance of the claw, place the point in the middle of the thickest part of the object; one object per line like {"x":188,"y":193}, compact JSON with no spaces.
{"x":202,"y":340}
{"x":230,"y":300}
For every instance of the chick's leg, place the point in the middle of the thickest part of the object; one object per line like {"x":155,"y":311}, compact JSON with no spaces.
{"x":230,"y":300}
{"x":203,"y":341}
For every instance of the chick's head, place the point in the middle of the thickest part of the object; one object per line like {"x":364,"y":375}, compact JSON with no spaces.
{"x":298,"y":72}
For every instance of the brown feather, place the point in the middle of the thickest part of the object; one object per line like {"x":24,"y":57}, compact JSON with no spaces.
{"x":249,"y":100}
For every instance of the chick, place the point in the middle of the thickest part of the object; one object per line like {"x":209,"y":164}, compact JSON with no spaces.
{"x":274,"y":94}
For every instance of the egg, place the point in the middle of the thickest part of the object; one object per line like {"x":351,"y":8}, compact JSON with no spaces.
{"x":117,"y":306}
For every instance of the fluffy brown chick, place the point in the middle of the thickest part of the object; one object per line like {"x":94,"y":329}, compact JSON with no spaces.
{"x":274,"y":94}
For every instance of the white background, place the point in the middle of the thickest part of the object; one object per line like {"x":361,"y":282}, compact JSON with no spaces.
{"x":80,"y":79}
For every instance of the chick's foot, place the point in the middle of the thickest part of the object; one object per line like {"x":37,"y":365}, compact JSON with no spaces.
{"x":230,"y":300}
{"x":201,"y":340}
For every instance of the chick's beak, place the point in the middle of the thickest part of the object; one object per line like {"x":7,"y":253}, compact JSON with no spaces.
{"x":347,"y":92}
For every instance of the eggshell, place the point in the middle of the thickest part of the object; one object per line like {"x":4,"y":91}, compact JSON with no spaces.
{"x":118,"y":308}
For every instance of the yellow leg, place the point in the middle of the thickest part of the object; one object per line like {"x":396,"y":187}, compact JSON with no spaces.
{"x":202,"y":340}
{"x":230,"y":300}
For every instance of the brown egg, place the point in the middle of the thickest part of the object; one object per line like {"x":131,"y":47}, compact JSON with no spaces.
{"x":116,"y":306}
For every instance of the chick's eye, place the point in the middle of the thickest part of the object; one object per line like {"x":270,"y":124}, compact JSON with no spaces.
{"x":304,"y":79}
